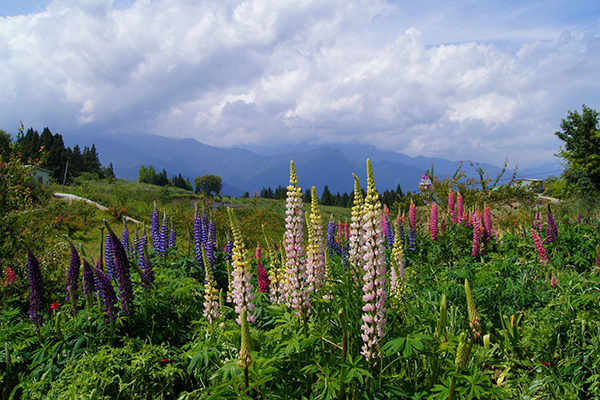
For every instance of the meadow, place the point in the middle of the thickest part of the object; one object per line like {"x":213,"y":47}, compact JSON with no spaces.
{"x":466,"y":293}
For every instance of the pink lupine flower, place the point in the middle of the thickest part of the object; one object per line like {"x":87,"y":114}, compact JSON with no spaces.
{"x":263,"y":277}
{"x":374,"y":267}
{"x":412,"y":215}
{"x":451,"y":203}
{"x":339,"y":230}
{"x":346,"y":231}
{"x":296,"y":290}
{"x":539,"y":246}
{"x":554,"y":280}
{"x":460,"y":209}
{"x":433,"y":221}
{"x":11,"y":277}
{"x":476,"y":235}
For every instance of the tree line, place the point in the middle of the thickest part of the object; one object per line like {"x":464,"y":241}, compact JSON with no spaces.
{"x":206,"y":184}
{"x":51,"y":151}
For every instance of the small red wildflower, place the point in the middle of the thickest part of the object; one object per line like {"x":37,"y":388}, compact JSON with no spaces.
{"x":55,"y":306}
{"x":165,"y":360}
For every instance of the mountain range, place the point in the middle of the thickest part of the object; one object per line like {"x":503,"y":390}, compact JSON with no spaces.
{"x":246,"y":171}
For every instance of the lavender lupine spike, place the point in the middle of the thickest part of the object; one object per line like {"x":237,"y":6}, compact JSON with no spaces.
{"x":72,"y":286}
{"x":332,"y":245}
{"x":229,"y":260}
{"x":210,"y":241}
{"x":144,"y":262}
{"x":123,"y":273}
{"x":539,"y":246}
{"x":476,"y":235}
{"x":355,"y":223}
{"x":89,"y":285}
{"x":198,"y":236}
{"x":125,"y":239}
{"x":263,"y":277}
{"x":109,"y":258}
{"x":211,"y":294}
{"x":107,"y":292}
{"x":451,"y":206}
{"x":460,"y":209}
{"x":412,"y":239}
{"x":205,"y":230}
{"x":36,"y":290}
{"x":433,"y":222}
{"x":172,"y":237}
{"x":374,"y":273}
{"x":537,"y":223}
{"x":297,"y":289}
{"x":315,"y":258}
{"x":155,"y":229}
{"x":552,"y":229}
{"x":400,"y":223}
{"x":164,"y":235}
{"x":241,"y":294}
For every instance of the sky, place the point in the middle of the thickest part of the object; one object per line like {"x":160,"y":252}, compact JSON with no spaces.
{"x":462,"y":80}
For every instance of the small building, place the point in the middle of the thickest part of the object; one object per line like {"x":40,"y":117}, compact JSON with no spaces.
{"x":535,"y":185}
{"x":41,"y":175}
{"x":425,"y":183}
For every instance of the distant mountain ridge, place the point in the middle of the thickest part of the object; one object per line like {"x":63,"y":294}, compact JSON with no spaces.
{"x":243,"y":170}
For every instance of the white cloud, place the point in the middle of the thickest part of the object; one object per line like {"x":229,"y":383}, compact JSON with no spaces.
{"x":471,"y":80}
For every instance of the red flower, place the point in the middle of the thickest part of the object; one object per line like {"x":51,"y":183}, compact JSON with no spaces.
{"x":55,"y":306}
{"x":165,"y":360}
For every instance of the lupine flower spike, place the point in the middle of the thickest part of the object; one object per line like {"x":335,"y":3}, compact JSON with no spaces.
{"x":125,"y":239}
{"x":36,"y":290}
{"x":433,"y":222}
{"x":155,"y":228}
{"x":476,"y":235}
{"x":73,"y":278}
{"x":412,"y":233}
{"x":355,"y":250}
{"x":451,"y":205}
{"x":332,"y":245}
{"x":164,"y":235}
{"x":198,"y":236}
{"x":123,"y":273}
{"x":552,"y":229}
{"x":107,"y":292}
{"x":460,"y":209}
{"x":473,"y":317}
{"x":109,"y":258}
{"x":315,"y":258}
{"x":397,"y":270}
{"x":211,"y":295}
{"x":241,"y":295}
{"x":297,"y":289}
{"x":263,"y":277}
{"x":374,"y":297}
{"x":539,"y":246}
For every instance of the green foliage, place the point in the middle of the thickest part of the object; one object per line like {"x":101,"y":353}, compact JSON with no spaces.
{"x":208,"y":184}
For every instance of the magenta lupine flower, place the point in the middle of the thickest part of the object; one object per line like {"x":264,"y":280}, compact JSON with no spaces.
{"x":297,"y":289}
{"x":263,"y":277}
{"x":242,"y":288}
{"x":72,"y":286}
{"x":476,"y":235}
{"x":315,"y":253}
{"x":374,"y":267}
{"x":11,"y":277}
{"x":155,"y":229}
{"x":539,"y":246}
{"x":36,"y":290}
{"x":339,"y":230}
{"x":451,"y":204}
{"x":107,"y":292}
{"x":123,"y":273}
{"x":487,"y":221}
{"x":552,"y":229}
{"x":554,"y":280}
{"x":346,"y":230}
{"x":433,"y":222}
{"x":412,"y":215}
{"x":460,"y":209}
{"x":443,"y":226}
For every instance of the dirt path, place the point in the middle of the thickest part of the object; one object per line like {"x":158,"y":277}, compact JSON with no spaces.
{"x":71,"y":197}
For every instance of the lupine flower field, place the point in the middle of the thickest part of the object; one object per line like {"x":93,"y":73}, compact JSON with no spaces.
{"x":457,"y":299}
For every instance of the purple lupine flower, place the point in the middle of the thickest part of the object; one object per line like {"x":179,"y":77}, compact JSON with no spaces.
{"x":242,"y":287}
{"x":539,"y":246}
{"x":89,"y":285}
{"x":229,"y":249}
{"x":123,"y":273}
{"x":172,"y":237}
{"x":476,"y":235}
{"x":210,"y":241}
{"x":205,"y":229}
{"x":109,"y":258}
{"x":144,"y":262}
{"x":389,"y":233}
{"x":164,"y":235}
{"x":155,"y":229}
{"x":412,"y":239}
{"x":374,"y":268}
{"x":400,"y":222}
{"x":72,"y":286}
{"x":537,"y":223}
{"x":125,"y":239}
{"x":36,"y":290}
{"x":107,"y":291}
{"x":552,"y":229}
{"x":451,"y":203}
{"x":433,"y":222}
{"x":460,"y":209}
{"x":198,"y":237}
{"x":332,"y":245}
{"x":297,"y":289}
{"x":263,"y":277}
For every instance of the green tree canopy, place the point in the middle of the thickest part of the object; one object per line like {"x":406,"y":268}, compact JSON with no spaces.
{"x":581,"y":151}
{"x":208,"y":184}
